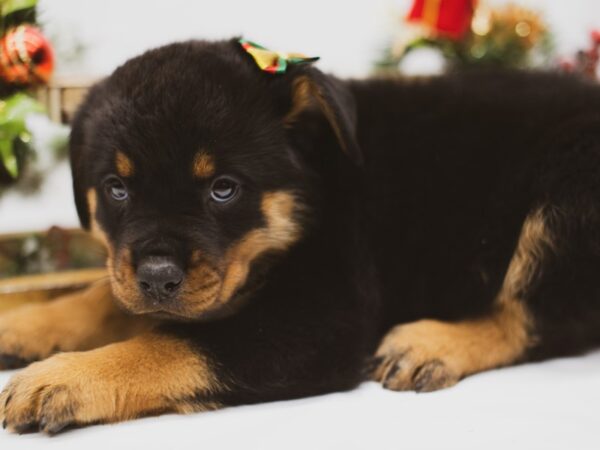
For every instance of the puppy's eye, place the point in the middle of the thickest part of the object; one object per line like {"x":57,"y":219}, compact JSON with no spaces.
{"x":116,"y":189}
{"x":223,"y":189}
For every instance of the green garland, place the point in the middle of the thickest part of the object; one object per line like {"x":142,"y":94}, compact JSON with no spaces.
{"x":513,"y":37}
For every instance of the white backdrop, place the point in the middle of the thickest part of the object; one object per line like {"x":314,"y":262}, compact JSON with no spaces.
{"x":347,"y":34}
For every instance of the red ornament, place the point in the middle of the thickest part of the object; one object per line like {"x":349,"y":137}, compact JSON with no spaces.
{"x":450,"y":18}
{"x":26,"y":56}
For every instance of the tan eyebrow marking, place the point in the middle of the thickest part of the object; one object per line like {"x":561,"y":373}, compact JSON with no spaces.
{"x":124,"y":164}
{"x":204,"y":165}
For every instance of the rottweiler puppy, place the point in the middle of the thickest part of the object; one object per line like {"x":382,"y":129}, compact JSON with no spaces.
{"x":274,"y":236}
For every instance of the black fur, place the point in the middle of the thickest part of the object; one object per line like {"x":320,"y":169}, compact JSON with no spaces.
{"x":419,"y":219}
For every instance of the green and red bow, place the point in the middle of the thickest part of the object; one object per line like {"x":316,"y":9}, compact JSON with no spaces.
{"x":272,"y":61}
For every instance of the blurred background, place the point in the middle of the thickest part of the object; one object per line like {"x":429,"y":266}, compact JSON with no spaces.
{"x":348,"y":35}
{"x":51,"y":51}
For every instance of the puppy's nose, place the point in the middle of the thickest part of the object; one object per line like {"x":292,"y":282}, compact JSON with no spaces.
{"x":159,"y":277}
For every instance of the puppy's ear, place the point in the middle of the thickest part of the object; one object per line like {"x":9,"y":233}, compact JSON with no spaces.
{"x":78,"y":143}
{"x":313,"y":91}
{"x":78,"y":169}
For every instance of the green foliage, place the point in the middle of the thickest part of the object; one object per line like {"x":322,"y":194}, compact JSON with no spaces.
{"x":13,"y":129}
{"x":11,"y":6}
{"x":507,"y":36}
{"x":16,"y":12}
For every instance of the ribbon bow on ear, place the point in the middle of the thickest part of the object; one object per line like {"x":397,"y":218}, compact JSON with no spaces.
{"x":271,"y":61}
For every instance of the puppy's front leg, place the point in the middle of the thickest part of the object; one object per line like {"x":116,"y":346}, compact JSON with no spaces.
{"x":148,"y":374}
{"x":80,"y":321}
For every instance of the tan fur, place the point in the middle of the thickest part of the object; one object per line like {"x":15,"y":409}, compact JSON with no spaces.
{"x":149,"y":374}
{"x":124,"y":281}
{"x":120,"y":270}
{"x":81,"y":321}
{"x":124,"y":165}
{"x":302,"y":99}
{"x":429,"y":354}
{"x":204,"y":165}
{"x":202,"y":285}
{"x":535,"y":242}
{"x":305,"y":94}
{"x":281,"y":231}
{"x":95,"y":229}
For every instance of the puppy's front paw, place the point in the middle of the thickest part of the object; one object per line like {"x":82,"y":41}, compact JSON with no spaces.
{"x":48,"y":395}
{"x":424,"y":356}
{"x":149,"y":374}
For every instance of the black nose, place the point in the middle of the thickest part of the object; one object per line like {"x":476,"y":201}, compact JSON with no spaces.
{"x":159,"y":277}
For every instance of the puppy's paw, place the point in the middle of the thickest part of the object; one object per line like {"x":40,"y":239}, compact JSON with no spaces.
{"x":48,"y":395}
{"x":149,"y":374}
{"x":424,"y":356}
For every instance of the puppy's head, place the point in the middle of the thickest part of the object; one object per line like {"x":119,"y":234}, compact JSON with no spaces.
{"x":191,"y":165}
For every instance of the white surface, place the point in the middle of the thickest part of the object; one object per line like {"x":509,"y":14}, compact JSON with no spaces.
{"x":550,"y":405}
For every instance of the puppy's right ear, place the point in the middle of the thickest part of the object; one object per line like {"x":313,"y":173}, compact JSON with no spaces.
{"x":313,"y":91}
{"x":307,"y":92}
{"x":78,"y":153}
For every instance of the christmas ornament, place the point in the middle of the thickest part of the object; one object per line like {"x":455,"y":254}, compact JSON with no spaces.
{"x":26,"y":59}
{"x":450,"y":18}
{"x":26,"y":56}
{"x":272,"y":61}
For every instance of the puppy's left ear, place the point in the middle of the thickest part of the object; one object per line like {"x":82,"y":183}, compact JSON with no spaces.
{"x":79,"y":155}
{"x":313,"y":91}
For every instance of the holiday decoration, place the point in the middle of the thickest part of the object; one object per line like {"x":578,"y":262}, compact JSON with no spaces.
{"x":271,"y":61}
{"x":25,"y":56}
{"x":470,"y":33}
{"x":14,"y":135}
{"x":449,"y":18}
{"x":586,"y":62}
{"x":40,"y":266}
{"x":56,"y":250}
{"x":26,"y":60}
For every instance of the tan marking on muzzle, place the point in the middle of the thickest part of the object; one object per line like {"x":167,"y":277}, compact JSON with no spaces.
{"x":95,"y":229}
{"x":120,"y":269}
{"x":281,"y":231}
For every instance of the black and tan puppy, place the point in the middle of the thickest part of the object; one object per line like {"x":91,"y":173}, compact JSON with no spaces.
{"x":271,"y":236}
